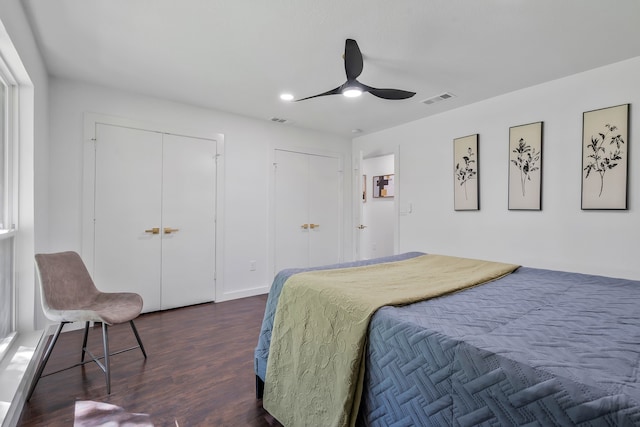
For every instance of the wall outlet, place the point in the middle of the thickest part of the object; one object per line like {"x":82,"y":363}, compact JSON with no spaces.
{"x":252,"y":265}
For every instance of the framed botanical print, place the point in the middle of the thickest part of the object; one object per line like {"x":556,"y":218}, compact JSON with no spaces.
{"x":466,"y":191}
{"x":605,"y":153}
{"x":525,"y":167}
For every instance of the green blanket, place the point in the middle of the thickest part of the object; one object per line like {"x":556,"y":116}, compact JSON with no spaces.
{"x":315,"y":369}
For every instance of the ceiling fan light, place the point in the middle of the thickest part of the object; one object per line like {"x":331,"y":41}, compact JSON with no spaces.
{"x":352,"y":92}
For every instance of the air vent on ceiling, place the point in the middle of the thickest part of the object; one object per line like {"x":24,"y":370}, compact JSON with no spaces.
{"x":438,"y":98}
{"x":280,"y":120}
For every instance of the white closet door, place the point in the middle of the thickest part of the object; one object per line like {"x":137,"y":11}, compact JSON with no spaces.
{"x":128,"y":179}
{"x":188,"y":198}
{"x":307,"y":210}
{"x":324,"y":210}
{"x":291,"y":210}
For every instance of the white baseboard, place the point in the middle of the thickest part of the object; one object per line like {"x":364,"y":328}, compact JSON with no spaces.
{"x":228,"y":296}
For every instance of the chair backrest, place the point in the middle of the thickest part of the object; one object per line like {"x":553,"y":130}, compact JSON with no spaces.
{"x":65,"y":283}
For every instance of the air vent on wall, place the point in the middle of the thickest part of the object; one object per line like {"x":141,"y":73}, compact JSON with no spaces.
{"x":280,"y":120}
{"x":438,"y":98}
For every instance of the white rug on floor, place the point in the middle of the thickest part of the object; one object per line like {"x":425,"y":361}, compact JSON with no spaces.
{"x":93,"y":414}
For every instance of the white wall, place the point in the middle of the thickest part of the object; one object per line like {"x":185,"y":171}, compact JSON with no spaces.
{"x":378,"y":213}
{"x":561,"y":236}
{"x":248,"y":146}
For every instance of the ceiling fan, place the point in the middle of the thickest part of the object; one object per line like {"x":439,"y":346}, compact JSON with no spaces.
{"x":352,"y":87}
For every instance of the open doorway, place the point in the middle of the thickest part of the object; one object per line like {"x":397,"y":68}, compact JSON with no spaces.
{"x":377,"y":218}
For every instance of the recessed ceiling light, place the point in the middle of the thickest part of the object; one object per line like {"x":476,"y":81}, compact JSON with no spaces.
{"x":286,"y":97}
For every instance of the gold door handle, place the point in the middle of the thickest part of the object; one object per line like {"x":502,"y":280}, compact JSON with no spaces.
{"x":169,"y":230}
{"x":154,"y":230}
{"x":312,"y":226}
{"x":361,"y":227}
{"x":305,"y":226}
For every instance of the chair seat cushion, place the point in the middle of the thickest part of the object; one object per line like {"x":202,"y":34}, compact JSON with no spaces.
{"x":110,"y":308}
{"x":119,"y":307}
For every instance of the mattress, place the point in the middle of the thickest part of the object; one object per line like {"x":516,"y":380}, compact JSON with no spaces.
{"x":536,"y":347}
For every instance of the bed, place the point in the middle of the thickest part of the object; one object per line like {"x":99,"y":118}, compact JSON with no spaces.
{"x":535,"y":347}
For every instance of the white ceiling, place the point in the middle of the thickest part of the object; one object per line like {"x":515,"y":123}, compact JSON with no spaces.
{"x":239,"y":55}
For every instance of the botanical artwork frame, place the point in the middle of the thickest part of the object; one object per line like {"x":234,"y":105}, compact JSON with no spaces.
{"x":466,"y":186}
{"x":525,"y":167}
{"x":383,"y":186}
{"x":605,"y":148}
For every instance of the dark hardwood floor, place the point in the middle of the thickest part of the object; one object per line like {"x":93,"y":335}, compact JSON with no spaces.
{"x":199,"y":370}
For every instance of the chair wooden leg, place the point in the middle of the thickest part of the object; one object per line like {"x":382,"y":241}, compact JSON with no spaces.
{"x":45,"y":359}
{"x":84,"y":341}
{"x":135,"y":332}
{"x":107,"y":370}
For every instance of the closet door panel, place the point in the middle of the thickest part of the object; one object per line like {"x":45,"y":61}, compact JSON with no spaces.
{"x":128,"y":179}
{"x":188,"y":221}
{"x":324,"y":210}
{"x":291,"y":210}
{"x":307,"y":194}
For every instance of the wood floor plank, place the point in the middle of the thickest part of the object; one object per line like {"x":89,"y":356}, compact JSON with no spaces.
{"x":199,"y":370}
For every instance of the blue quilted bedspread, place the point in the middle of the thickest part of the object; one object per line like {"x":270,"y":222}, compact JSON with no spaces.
{"x":535,"y":348}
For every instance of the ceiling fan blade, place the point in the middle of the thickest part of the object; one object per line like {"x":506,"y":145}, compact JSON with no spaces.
{"x":389,"y":93}
{"x":352,"y":59}
{"x":335,"y":91}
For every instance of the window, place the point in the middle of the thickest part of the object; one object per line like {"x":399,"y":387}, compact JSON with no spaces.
{"x":7,"y":234}
{"x":3,"y":145}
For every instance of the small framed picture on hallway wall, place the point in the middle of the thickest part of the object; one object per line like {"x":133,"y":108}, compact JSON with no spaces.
{"x":383,"y":186}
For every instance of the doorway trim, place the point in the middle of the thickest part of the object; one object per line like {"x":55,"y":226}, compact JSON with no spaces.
{"x":88,"y":184}
{"x":359,"y":155}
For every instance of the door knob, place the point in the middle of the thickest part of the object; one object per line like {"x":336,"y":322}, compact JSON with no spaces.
{"x":312,"y":226}
{"x":169,"y":230}
{"x":305,"y":226}
{"x":361,"y":227}
{"x":154,"y":230}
